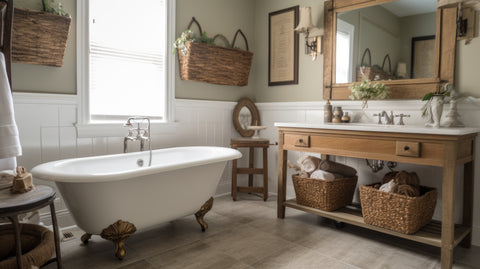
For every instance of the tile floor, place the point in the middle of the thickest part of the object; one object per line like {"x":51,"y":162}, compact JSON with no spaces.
{"x":247,"y":234}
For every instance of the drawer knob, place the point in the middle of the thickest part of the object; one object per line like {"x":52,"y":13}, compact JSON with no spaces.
{"x":300,"y":140}
{"x":406,"y":148}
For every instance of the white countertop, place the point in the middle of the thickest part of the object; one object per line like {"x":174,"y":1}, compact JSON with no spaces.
{"x":416,"y":129}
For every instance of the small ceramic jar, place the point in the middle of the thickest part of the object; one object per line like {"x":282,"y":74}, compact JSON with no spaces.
{"x":345,"y":118}
{"x":337,"y":114}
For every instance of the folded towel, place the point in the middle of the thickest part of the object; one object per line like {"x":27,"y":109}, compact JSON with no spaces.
{"x":320,"y":174}
{"x":8,"y":163}
{"x":308,"y":163}
{"x":6,"y":178}
{"x":337,"y":168}
{"x":388,"y":187}
{"x":9,"y":139}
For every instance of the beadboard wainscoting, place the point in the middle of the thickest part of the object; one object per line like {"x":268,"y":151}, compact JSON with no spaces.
{"x":47,"y":132}
{"x":47,"y":129}
{"x":312,"y":112}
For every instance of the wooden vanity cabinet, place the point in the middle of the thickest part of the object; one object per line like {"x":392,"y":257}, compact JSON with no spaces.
{"x":447,"y":151}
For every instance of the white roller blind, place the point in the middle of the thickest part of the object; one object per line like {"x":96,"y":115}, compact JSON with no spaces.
{"x":127,"y":58}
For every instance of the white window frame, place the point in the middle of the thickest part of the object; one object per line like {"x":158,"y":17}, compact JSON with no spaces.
{"x":349,"y":30}
{"x":86,"y":128}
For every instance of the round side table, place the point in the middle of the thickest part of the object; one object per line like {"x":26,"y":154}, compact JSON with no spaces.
{"x":12,"y":205}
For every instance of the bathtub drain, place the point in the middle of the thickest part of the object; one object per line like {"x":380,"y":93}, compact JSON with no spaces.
{"x":140,"y":162}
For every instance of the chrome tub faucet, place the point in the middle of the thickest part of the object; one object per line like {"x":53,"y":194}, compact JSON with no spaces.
{"x":137,"y":133}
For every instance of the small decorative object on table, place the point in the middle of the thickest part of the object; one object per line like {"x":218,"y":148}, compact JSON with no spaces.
{"x":22,"y":182}
{"x":327,"y":112}
{"x":256,"y":129}
{"x":345,"y":118}
{"x":337,"y":114}
{"x":367,"y":90}
{"x":433,"y":108}
{"x":452,"y":119}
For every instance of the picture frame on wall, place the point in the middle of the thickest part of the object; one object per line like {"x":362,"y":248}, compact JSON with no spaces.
{"x":423,"y":58}
{"x":283,"y":47}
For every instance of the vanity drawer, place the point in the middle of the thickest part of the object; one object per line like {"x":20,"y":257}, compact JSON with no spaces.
{"x":297,"y":140}
{"x":408,"y":149}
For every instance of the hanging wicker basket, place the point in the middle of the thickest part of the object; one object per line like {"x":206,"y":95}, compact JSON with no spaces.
{"x":39,"y":37}
{"x":214,"y":64}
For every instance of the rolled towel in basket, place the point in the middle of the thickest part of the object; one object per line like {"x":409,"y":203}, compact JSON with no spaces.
{"x":320,"y":174}
{"x":406,"y":178}
{"x":388,"y":187}
{"x":407,"y":190}
{"x":337,"y":168}
{"x":308,"y":163}
{"x":389,"y":176}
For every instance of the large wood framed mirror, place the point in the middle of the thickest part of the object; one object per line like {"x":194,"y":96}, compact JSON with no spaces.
{"x":401,"y":29}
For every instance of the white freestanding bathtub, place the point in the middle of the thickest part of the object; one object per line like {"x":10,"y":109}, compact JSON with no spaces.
{"x":113,"y":189}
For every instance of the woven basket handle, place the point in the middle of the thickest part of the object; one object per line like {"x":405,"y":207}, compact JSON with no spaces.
{"x":197,"y":23}
{"x":389,"y":63}
{"x":235,"y":38}
{"x":369,"y":57}
{"x":224,"y":39}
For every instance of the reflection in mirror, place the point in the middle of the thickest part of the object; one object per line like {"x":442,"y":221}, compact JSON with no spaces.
{"x":400,"y":36}
{"x":245,"y":117}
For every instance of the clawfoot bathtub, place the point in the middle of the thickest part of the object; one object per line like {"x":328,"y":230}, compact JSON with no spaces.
{"x":114,"y":195}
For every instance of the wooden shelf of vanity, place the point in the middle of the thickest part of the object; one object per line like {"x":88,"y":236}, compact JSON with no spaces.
{"x":435,"y":149}
{"x":430,"y":234}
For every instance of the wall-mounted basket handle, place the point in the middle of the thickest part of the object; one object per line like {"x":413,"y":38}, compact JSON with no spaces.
{"x":389,"y":64}
{"x":223,"y":38}
{"x":369,"y":57}
{"x":235,"y":38}
{"x":197,"y":23}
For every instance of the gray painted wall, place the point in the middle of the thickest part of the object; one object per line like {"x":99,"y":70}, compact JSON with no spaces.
{"x":225,"y":16}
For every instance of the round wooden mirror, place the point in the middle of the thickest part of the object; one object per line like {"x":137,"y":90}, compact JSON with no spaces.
{"x":245,"y":114}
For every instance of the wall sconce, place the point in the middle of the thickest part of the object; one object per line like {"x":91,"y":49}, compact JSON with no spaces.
{"x":313,"y":35}
{"x":465,"y":30}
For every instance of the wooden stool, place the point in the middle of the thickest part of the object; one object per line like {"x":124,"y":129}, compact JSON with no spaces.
{"x":251,"y":144}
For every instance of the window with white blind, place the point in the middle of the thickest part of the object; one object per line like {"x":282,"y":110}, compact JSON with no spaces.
{"x":125,"y":54}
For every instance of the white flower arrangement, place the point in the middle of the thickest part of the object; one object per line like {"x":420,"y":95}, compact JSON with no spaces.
{"x":366,"y":90}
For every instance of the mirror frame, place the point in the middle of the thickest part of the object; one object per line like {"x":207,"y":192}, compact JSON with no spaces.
{"x":445,"y":42}
{"x":245,"y":102}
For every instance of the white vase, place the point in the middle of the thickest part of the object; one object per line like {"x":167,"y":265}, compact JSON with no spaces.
{"x":436,"y":110}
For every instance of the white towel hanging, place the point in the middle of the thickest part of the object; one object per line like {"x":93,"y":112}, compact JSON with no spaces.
{"x":9,"y":138}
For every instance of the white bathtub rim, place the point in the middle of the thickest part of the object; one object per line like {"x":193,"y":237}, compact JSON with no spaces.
{"x":49,"y":171}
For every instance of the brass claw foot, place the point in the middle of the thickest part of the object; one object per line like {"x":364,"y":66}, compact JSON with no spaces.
{"x":201,"y":213}
{"x":85,"y":237}
{"x":118,"y":233}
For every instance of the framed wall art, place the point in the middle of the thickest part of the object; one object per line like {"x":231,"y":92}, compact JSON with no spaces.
{"x":283,"y":47}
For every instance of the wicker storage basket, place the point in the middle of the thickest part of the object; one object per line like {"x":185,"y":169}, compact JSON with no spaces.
{"x":38,"y":246}
{"x":214,"y":64}
{"x":367,"y":71}
{"x":327,"y":195}
{"x":39,"y":37}
{"x":397,"y":212}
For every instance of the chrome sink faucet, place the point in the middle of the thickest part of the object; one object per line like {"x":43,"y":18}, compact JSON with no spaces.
{"x":137,"y":133}
{"x":389,"y":120}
